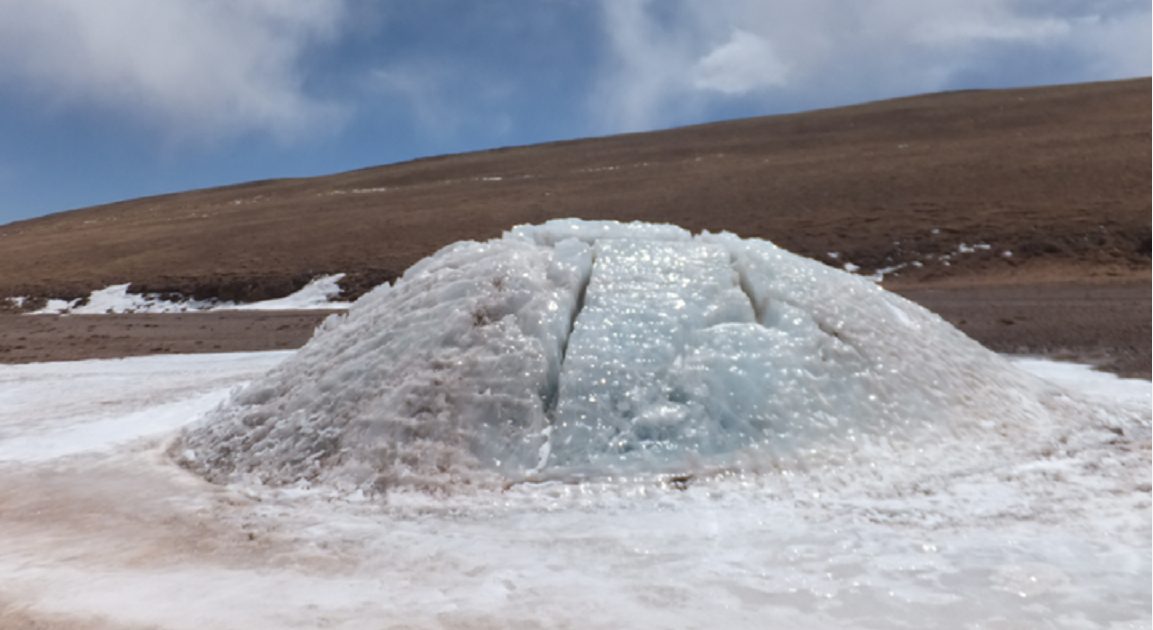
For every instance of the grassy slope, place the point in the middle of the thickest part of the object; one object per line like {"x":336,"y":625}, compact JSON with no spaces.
{"x":1057,"y":175}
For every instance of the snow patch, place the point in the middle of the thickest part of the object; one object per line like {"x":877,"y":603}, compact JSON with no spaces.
{"x":50,"y":410}
{"x":318,"y":294}
{"x":321,"y":293}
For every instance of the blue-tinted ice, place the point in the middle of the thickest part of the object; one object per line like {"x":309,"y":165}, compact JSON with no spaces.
{"x":584,"y":349}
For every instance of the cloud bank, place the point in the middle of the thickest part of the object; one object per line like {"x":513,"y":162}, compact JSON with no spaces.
{"x":670,"y":61}
{"x":196,"y":69}
{"x":456,"y":73}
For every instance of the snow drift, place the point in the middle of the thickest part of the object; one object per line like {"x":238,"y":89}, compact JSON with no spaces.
{"x":576,"y":350}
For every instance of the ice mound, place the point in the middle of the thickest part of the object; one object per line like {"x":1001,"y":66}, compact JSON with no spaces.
{"x":579,"y":350}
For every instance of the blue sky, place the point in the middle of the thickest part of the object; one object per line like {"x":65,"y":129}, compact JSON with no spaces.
{"x":110,"y":100}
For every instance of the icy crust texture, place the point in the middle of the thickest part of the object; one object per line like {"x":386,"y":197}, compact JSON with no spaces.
{"x":587,"y":349}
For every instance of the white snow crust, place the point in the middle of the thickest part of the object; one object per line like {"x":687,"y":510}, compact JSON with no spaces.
{"x":52,"y":410}
{"x":586,"y":350}
{"x":320,"y":293}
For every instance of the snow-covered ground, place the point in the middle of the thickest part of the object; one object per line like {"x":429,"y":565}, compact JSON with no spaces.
{"x":98,"y":529}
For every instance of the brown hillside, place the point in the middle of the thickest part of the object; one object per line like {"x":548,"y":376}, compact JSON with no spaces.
{"x":1058,"y":176}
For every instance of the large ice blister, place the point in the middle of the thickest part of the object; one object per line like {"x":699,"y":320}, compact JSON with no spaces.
{"x":582,"y":349}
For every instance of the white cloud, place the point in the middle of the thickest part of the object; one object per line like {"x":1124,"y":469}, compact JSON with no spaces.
{"x":197,"y":69}
{"x":648,"y":66}
{"x":743,"y":64}
{"x":670,"y":60}
{"x":1117,"y":47}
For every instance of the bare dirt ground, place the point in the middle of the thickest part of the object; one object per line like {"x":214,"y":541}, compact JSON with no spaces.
{"x":1029,"y":206}
{"x":31,"y":338}
{"x":1105,"y":325}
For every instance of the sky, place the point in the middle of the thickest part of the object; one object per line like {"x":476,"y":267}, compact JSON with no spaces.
{"x":112,"y":100}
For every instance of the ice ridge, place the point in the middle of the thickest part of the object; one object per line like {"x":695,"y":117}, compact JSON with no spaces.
{"x":575,"y":350}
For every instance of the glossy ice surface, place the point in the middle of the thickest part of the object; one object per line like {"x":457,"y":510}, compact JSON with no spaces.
{"x":576,"y":350}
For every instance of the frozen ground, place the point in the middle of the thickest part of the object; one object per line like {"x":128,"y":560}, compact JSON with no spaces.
{"x":1045,"y":528}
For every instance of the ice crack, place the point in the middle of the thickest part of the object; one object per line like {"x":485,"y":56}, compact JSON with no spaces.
{"x":745,"y":284}
{"x":554,"y":379}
